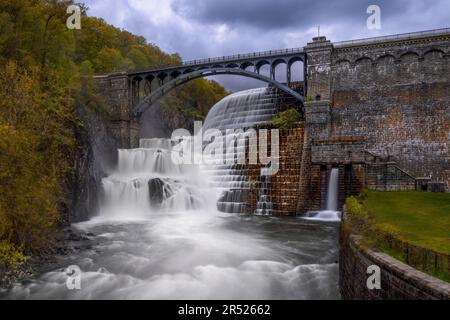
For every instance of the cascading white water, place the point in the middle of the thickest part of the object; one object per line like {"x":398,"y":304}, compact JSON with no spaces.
{"x":148,"y":181}
{"x":332,"y":194}
{"x":241,"y":110}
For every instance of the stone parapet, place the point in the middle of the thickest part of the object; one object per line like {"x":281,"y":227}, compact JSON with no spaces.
{"x":398,"y":280}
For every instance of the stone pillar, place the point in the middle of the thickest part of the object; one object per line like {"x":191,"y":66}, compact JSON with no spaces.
{"x":288,"y":75}
{"x":272,"y":71}
{"x":317,"y":124}
{"x":115,"y":89}
{"x":305,"y":176}
{"x":318,"y":70}
{"x":318,"y":118}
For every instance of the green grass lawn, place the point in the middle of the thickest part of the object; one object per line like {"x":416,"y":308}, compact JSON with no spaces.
{"x":422,"y":218}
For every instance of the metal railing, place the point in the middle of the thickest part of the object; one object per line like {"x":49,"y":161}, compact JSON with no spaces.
{"x":401,"y":36}
{"x":243,"y":56}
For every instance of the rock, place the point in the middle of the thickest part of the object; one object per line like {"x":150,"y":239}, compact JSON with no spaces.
{"x":96,"y":154}
{"x":156,"y":192}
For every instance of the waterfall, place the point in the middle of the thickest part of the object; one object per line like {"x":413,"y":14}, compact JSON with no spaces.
{"x":330,"y":213}
{"x":241,"y":110}
{"x":332,"y":194}
{"x":147,"y":181}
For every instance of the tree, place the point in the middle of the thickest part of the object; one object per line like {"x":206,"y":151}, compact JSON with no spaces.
{"x":287,"y":119}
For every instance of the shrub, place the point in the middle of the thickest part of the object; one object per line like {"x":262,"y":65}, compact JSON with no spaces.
{"x":11,"y":257}
{"x":287,"y":119}
{"x":356,"y":209}
{"x":384,"y":234}
{"x":309,"y":98}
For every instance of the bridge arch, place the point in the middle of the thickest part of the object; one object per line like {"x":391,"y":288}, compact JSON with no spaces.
{"x":261,"y":63}
{"x":274,"y":68}
{"x":146,"y":103}
{"x":247,"y":64}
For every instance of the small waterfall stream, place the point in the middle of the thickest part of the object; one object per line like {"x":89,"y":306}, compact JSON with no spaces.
{"x":332,"y":194}
{"x":331,"y":212}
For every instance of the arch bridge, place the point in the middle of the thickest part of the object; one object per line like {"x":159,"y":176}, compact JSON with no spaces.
{"x":150,"y":85}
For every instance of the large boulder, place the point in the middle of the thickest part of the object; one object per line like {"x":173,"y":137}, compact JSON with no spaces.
{"x":156,"y":192}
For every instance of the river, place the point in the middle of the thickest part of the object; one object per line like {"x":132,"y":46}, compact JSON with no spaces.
{"x":197,"y":255}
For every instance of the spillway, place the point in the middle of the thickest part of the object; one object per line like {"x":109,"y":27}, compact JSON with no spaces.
{"x":241,"y":110}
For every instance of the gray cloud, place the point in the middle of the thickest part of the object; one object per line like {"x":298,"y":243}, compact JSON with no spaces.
{"x":282,"y":14}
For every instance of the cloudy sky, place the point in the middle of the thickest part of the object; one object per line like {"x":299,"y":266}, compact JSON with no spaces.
{"x":210,"y":28}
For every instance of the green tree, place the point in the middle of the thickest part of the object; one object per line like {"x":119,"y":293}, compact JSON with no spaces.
{"x":287,"y":119}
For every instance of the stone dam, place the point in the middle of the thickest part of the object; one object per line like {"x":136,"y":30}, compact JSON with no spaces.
{"x":378,"y":109}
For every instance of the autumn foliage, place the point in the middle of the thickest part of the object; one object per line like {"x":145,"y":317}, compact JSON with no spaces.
{"x":43,"y":67}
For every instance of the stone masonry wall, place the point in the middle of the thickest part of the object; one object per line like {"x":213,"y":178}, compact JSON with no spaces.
{"x":396,"y":95}
{"x":115,"y":90}
{"x":284,"y":193}
{"x":282,"y":188}
{"x":398,"y":280}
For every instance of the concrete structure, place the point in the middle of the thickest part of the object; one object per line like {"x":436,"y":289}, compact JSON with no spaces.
{"x":377,"y":108}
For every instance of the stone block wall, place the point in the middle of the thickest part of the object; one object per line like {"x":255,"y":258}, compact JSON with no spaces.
{"x":392,"y":95}
{"x":282,"y":187}
{"x":319,"y":68}
{"x":285,"y":183}
{"x":115,"y":90}
{"x":388,"y":177}
{"x":397,"y":95}
{"x":338,"y":150}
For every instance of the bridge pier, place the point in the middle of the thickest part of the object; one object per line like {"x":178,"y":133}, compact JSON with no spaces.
{"x":119,"y":94}
{"x":288,"y":76}
{"x":272,"y":71}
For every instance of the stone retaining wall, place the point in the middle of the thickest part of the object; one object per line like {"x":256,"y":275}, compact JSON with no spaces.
{"x":283,"y":187}
{"x":398,"y":280}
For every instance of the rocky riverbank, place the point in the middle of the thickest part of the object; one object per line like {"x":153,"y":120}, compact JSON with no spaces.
{"x":69,"y":242}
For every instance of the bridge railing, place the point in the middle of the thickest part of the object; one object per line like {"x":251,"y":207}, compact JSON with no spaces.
{"x":243,"y":56}
{"x":401,"y":36}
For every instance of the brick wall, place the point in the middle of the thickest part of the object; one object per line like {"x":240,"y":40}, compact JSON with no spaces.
{"x":285,"y":184}
{"x":283,"y":187}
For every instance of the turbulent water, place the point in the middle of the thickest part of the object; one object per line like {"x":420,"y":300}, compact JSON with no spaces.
{"x":160,"y":235}
{"x":198,"y":255}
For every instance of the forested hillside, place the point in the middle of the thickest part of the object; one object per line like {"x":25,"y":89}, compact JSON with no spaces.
{"x":43,"y":66}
